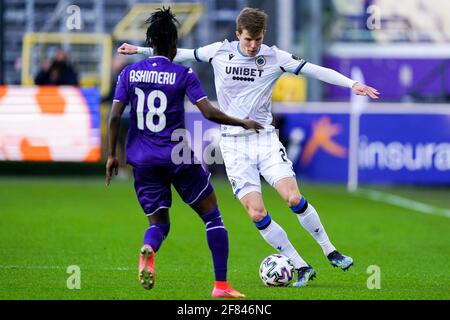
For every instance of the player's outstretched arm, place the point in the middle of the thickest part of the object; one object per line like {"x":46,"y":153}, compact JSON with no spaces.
{"x":333,"y":77}
{"x":112,"y":164}
{"x":213,"y":114}
{"x":183,"y":55}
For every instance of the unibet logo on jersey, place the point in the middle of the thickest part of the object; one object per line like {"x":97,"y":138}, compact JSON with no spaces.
{"x":244,"y":74}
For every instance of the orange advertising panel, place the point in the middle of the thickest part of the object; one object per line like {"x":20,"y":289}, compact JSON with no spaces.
{"x":49,"y":124}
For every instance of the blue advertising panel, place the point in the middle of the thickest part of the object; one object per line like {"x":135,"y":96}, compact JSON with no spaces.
{"x":317,"y":145}
{"x":404,"y":148}
{"x":393,"y":148}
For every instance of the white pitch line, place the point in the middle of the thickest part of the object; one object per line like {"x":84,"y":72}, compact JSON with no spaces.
{"x":403,"y":202}
{"x":57,"y":267}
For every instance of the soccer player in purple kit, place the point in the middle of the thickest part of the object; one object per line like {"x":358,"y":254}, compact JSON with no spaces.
{"x":155,"y":89}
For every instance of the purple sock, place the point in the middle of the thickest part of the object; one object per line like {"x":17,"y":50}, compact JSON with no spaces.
{"x":217,"y":237}
{"x":155,"y":235}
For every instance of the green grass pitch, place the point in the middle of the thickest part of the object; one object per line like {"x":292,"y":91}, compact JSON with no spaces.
{"x":47,"y":225}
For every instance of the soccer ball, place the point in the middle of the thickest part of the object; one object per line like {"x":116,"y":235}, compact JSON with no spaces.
{"x":276,"y":270}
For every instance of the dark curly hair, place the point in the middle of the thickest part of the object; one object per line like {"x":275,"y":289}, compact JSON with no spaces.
{"x":162,"y":33}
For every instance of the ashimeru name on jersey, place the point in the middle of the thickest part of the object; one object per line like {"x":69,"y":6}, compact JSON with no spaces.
{"x":153,"y":77}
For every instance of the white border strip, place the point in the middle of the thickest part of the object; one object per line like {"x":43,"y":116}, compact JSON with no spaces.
{"x":398,"y":50}
{"x":345,"y":107}
{"x":372,"y":108}
{"x":56,"y":268}
{"x":403,"y":202}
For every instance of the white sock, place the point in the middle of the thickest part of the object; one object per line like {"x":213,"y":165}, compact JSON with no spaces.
{"x":278,"y":239}
{"x":310,"y":221}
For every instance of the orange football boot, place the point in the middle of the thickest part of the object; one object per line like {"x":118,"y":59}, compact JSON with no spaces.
{"x":224,"y":290}
{"x":147,"y":267}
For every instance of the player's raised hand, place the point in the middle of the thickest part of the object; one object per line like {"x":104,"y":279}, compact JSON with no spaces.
{"x":112,"y":166}
{"x":361,"y":89}
{"x":126,"y":48}
{"x":250,"y":124}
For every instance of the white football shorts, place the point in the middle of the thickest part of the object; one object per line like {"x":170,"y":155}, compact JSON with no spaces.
{"x":249,"y":156}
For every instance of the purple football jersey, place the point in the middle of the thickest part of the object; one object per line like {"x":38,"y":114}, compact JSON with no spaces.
{"x":155,"y":89}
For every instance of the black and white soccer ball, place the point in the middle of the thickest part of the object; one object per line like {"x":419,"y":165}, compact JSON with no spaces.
{"x":276,"y":270}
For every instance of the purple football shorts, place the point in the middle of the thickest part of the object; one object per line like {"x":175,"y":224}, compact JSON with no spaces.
{"x":152,"y":185}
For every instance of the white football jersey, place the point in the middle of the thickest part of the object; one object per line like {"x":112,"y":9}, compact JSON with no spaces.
{"x":244,"y":84}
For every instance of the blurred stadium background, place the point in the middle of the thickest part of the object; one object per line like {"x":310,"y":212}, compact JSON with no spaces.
{"x":393,"y":155}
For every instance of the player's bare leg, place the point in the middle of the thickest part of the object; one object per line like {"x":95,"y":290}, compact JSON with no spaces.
{"x":309,"y":219}
{"x":217,"y":237}
{"x":276,"y":236}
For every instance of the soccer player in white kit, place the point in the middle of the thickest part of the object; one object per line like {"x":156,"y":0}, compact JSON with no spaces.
{"x":245,"y":73}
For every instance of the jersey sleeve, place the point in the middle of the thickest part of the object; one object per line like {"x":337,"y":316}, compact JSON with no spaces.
{"x":194,"y":90}
{"x":121,"y":94}
{"x":145,"y":50}
{"x":289,"y":62}
{"x":206,"y":53}
{"x":184,"y":55}
{"x":328,"y":75}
